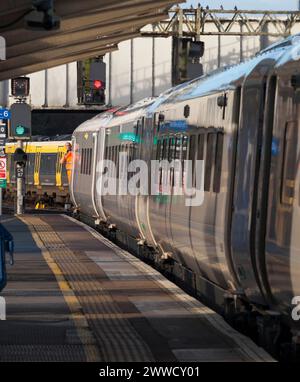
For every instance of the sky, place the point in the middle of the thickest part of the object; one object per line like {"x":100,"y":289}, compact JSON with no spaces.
{"x":249,"y":4}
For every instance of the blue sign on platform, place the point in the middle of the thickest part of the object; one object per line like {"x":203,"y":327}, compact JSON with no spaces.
{"x":5,"y":114}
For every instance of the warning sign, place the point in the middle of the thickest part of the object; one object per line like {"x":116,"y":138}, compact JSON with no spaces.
{"x":2,"y":168}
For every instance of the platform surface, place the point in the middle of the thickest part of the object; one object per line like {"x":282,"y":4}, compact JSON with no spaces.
{"x":72,"y":295}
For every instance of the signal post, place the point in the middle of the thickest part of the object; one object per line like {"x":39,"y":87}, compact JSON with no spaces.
{"x":20,"y":129}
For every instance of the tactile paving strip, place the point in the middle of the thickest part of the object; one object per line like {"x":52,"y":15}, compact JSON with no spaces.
{"x":116,"y":338}
{"x":42,"y":353}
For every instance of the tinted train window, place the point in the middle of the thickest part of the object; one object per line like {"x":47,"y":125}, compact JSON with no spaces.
{"x":172,"y":143}
{"x":158,"y":147}
{"x":89,"y":160}
{"x":200,"y":148}
{"x":178,"y":148}
{"x":210,"y":155}
{"x":165,"y":149}
{"x":82,"y":161}
{"x":30,"y":168}
{"x":86,"y":161}
{"x":192,"y":155}
{"x":184,"y":147}
{"x":218,"y":163}
{"x":289,"y":166}
{"x":48,"y":168}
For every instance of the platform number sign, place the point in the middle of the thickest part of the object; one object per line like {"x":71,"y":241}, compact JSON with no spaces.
{"x":5,"y":114}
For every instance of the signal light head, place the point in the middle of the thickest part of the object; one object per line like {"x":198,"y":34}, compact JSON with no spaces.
{"x":98,"y":84}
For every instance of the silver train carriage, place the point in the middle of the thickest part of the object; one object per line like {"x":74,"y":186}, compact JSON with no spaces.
{"x":243,"y":122}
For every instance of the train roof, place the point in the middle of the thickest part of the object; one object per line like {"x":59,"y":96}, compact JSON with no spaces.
{"x":120,"y":115}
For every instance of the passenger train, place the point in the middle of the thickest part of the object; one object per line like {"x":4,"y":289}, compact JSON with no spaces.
{"x":239,"y":249}
{"x":44,"y":172}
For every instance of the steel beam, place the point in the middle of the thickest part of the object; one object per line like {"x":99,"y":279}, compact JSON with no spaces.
{"x":92,"y":32}
{"x":216,"y":22}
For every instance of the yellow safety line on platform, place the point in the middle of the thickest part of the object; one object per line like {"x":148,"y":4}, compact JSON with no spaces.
{"x":245,"y":345}
{"x":78,"y":318}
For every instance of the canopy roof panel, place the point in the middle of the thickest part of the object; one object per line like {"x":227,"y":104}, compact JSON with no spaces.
{"x":88,"y":28}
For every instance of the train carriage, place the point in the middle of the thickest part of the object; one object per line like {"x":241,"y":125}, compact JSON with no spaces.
{"x":44,"y":172}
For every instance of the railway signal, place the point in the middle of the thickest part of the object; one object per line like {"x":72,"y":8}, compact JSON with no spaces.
{"x":20,"y":121}
{"x":20,"y":129}
{"x":20,"y":87}
{"x":93,"y":82}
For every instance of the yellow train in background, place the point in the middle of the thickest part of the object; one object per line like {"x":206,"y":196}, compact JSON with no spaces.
{"x":45,"y":175}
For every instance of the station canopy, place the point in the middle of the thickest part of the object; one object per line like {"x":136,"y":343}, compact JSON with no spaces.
{"x":88,"y":28}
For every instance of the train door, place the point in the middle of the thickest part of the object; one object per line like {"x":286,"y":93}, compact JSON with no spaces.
{"x":148,"y":135}
{"x":98,"y":171}
{"x":59,"y":166}
{"x":245,"y":194}
{"x":93,"y":171}
{"x":37,"y":165}
{"x":282,"y":240}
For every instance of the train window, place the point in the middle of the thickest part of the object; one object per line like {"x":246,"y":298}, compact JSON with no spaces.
{"x":177,"y":153}
{"x":158,"y":147}
{"x":30,"y":168}
{"x":86,"y":161}
{"x":161,"y":149}
{"x":289,"y":166}
{"x":165,"y":149}
{"x":211,"y":143}
{"x":81,"y":162}
{"x":200,"y":148}
{"x":116,"y":154}
{"x":90,"y":162}
{"x":192,"y":155}
{"x":113,"y":154}
{"x":218,"y":163}
{"x":184,"y":146}
{"x":172,"y":145}
{"x":48,"y":168}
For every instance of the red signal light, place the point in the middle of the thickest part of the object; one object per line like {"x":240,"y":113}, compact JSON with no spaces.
{"x":98,"y":84}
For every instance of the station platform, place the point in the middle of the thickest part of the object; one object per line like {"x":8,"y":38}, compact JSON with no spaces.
{"x":74,"y":296}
